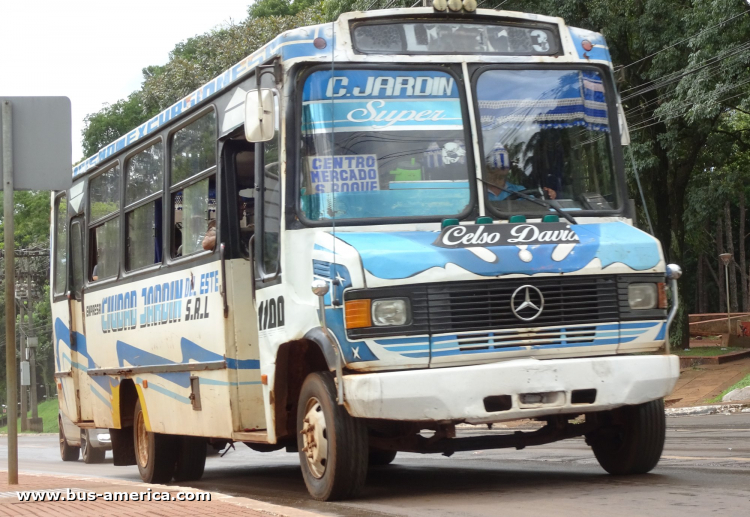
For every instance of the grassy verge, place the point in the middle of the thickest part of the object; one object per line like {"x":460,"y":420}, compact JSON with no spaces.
{"x":48,"y":412}
{"x":744,"y":383}
{"x":707,"y":351}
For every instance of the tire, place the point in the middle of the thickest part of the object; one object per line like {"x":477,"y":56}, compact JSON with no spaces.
{"x":632,"y":439}
{"x":90,"y":454}
{"x":333,"y":447}
{"x":155,"y":453}
{"x":381,"y":458}
{"x":67,"y":452}
{"x":191,"y":458}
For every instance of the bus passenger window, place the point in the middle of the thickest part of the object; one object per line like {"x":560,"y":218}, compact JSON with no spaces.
{"x":61,"y":244}
{"x":245,"y":173}
{"x":104,"y":229}
{"x":143,"y":184}
{"x":144,"y":235}
{"x":193,"y":187}
{"x":194,"y":216}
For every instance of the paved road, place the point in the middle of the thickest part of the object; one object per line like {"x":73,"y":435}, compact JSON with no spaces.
{"x":705,"y":470}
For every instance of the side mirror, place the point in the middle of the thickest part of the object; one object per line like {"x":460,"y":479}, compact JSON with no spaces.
{"x":259,"y":115}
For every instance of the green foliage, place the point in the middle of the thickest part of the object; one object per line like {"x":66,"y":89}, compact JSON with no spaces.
{"x":113,"y":121}
{"x":31,"y":219}
{"x":266,"y":8}
{"x":47,"y":411}
{"x":744,"y":383}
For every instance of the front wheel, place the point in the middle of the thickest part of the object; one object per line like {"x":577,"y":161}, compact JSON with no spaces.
{"x":631,"y":439}
{"x":156,"y":454}
{"x":333,"y":446}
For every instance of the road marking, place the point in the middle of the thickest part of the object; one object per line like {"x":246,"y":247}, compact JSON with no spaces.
{"x":710,"y":458}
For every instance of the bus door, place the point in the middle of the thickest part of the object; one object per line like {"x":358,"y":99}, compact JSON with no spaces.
{"x":239,"y":166}
{"x":79,"y":352}
{"x":64,"y":375}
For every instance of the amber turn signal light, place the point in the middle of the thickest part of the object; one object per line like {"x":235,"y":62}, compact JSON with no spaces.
{"x":358,"y":314}
{"x":661,"y":289}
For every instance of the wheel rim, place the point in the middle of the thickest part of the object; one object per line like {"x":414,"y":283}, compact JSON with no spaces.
{"x":141,"y":436}
{"x":315,"y":438}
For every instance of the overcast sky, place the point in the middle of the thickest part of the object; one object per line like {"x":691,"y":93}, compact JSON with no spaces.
{"x":93,"y":51}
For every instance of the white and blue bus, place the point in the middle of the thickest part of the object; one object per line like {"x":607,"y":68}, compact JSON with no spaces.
{"x":365,"y":232}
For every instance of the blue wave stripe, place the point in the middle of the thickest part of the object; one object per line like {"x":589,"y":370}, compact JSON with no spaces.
{"x":101,"y":397}
{"x":164,"y":391}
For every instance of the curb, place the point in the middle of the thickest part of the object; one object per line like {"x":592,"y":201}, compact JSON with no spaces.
{"x":242,"y":502}
{"x":698,"y":360}
{"x":725,"y":409}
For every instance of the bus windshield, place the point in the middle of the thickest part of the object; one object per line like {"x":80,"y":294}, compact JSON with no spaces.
{"x":546,"y":133}
{"x":383,"y":144}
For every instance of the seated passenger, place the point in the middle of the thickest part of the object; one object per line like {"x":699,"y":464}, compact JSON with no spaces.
{"x":209,"y":240}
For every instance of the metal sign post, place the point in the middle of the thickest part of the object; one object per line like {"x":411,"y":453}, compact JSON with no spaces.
{"x":35,"y":139}
{"x":10,"y":294}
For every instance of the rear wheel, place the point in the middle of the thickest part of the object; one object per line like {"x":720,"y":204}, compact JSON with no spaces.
{"x":90,"y":454}
{"x":156,"y":454}
{"x":379,"y":457}
{"x":191,"y":458}
{"x":67,"y":452}
{"x":632,"y":438}
{"x":332,"y":445}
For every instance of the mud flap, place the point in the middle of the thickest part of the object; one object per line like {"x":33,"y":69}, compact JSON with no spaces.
{"x":123,"y":449}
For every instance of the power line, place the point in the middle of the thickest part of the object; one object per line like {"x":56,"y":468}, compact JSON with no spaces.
{"x":632,"y":130}
{"x":691,"y":103}
{"x":675,"y":76}
{"x":657,"y":99}
{"x":683,"y":40}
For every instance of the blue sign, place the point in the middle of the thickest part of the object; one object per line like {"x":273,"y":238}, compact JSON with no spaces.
{"x":372,"y":100}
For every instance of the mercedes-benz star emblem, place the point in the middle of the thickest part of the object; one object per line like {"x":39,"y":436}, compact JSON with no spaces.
{"x":527,"y":303}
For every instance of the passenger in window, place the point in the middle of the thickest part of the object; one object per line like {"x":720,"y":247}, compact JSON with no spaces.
{"x":209,"y":240}
{"x":95,"y":273}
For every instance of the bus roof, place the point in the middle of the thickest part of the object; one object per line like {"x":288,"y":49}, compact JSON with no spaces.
{"x":298,"y":43}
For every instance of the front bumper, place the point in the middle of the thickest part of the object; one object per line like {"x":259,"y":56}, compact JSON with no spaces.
{"x":458,"y":394}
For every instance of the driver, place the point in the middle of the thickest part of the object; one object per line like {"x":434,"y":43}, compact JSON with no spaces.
{"x":498,"y":168}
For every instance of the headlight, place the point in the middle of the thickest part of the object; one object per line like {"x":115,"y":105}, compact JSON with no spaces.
{"x":642,"y":296}
{"x":390,"y":312}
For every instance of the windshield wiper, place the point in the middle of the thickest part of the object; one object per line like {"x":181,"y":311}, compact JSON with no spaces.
{"x":539,"y":202}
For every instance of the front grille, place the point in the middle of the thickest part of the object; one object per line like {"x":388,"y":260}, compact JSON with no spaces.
{"x":471,"y":306}
{"x":456,"y":307}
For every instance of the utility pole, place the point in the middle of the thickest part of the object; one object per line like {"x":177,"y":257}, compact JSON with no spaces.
{"x":10,"y":293}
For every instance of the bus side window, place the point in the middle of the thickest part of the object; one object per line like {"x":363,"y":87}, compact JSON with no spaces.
{"x":61,"y":244}
{"x":244,"y":166}
{"x":76,"y":258}
{"x":104,"y":226}
{"x":193,"y":187}
{"x":267,"y":170}
{"x":143,"y":214}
